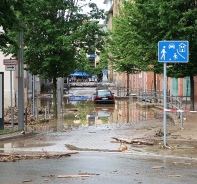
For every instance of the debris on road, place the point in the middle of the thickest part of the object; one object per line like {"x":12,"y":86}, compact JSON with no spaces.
{"x":13,"y":157}
{"x":158,"y":167}
{"x":71,"y":147}
{"x":25,"y":181}
{"x":161,"y":134}
{"x":174,"y":175}
{"x":123,"y":148}
{"x":179,"y":163}
{"x":73,"y":176}
{"x":88,"y":173}
{"x":134,"y":141}
{"x":77,"y":175}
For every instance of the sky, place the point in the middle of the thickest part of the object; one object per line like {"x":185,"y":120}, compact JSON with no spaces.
{"x":98,"y":2}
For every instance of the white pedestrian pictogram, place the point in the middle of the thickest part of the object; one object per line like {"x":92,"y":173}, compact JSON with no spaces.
{"x":175,"y":56}
{"x":163,"y":52}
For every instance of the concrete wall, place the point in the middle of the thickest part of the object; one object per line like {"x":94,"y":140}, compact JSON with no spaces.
{"x":7,"y":83}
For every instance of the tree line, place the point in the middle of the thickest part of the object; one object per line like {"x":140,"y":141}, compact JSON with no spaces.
{"x":57,"y":35}
{"x":138,"y":27}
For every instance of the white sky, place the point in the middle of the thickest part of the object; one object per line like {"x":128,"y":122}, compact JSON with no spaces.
{"x":98,"y":2}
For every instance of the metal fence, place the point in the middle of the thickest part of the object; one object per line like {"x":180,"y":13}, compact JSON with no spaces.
{"x":175,"y":104}
{"x":123,"y":91}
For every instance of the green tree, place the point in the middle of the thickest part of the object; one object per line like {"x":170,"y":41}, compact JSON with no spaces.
{"x":82,"y":61}
{"x":8,"y":20}
{"x":139,"y":27}
{"x":144,"y":24}
{"x":140,"y":34}
{"x":103,"y":62}
{"x":53,"y":32}
{"x":121,"y":46}
{"x":179,"y":20}
{"x":167,"y":20}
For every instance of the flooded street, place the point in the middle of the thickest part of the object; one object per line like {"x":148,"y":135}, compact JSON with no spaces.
{"x":79,"y":111}
{"x":86,"y":131}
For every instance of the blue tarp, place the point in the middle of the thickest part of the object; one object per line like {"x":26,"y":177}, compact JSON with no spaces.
{"x":79,"y":74}
{"x":80,"y":98}
{"x":93,"y":55}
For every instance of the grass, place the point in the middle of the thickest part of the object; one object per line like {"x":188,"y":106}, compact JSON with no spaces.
{"x":7,"y":131}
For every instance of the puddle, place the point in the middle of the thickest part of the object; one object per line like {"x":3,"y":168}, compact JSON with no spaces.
{"x":36,"y":141}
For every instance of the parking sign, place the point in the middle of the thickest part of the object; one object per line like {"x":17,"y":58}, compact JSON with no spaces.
{"x":173,"y":51}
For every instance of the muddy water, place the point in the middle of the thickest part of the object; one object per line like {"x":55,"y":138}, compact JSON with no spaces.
{"x":78,"y":109}
{"x":86,"y":113}
{"x":81,"y":112}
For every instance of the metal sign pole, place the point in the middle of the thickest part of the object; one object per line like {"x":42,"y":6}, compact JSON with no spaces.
{"x":11,"y":106}
{"x":20,"y":83}
{"x":171,"y":52}
{"x":1,"y":100}
{"x":33,"y":94}
{"x":164,"y":103}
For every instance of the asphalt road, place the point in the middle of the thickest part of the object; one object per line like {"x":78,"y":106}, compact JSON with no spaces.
{"x":105,"y":168}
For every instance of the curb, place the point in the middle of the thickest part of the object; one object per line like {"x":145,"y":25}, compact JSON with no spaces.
{"x":16,"y":135}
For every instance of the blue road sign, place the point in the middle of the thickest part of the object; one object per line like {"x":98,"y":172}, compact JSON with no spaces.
{"x":173,"y":51}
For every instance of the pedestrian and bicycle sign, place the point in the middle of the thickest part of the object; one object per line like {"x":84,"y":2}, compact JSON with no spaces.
{"x":173,"y":51}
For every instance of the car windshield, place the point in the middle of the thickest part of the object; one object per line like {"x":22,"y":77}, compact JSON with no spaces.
{"x":104,"y":93}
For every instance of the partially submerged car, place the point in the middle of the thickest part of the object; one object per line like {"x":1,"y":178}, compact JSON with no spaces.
{"x":104,"y":96}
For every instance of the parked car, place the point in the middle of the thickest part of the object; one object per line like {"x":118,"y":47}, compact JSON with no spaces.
{"x":104,"y":96}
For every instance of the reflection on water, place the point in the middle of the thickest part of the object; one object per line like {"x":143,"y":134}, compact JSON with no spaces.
{"x":76,"y":114}
{"x":85,"y":113}
{"x":25,"y":143}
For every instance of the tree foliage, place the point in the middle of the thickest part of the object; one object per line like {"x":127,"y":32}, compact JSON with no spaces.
{"x":8,"y":20}
{"x":82,"y":61}
{"x":54,"y":30}
{"x":139,"y":26}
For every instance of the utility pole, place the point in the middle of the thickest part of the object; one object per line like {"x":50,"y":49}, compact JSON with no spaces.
{"x":20,"y":82}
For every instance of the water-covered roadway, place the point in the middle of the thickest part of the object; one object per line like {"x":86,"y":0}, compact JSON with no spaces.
{"x":89,"y":128}
{"x":81,"y":120}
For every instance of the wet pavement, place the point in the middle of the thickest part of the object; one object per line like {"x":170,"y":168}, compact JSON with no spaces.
{"x":98,"y":138}
{"x":105,"y":168}
{"x":89,"y":127}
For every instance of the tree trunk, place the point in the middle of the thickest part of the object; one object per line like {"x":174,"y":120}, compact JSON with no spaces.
{"x":192,"y":106}
{"x":127,"y":84}
{"x":55,"y":98}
